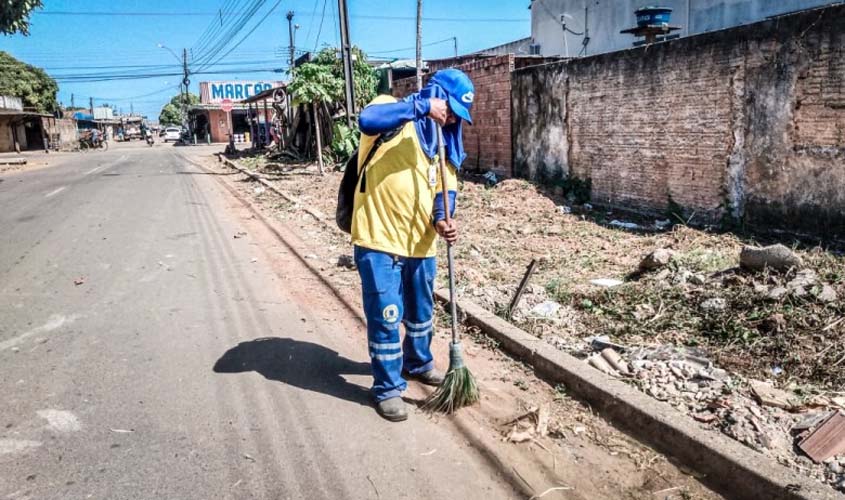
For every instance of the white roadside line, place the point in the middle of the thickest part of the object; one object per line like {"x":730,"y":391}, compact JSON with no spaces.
{"x":55,"y":192}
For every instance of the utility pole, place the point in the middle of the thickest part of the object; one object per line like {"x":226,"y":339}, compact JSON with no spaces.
{"x":185,"y":82}
{"x":455,"y":41}
{"x":131,"y":108}
{"x":346,"y":52}
{"x":72,"y":102}
{"x":91,"y":105}
{"x":419,"y":45}
{"x":290,"y":37}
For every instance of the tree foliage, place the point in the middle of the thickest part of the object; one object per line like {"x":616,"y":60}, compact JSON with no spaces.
{"x":33,"y":85}
{"x":171,"y":113}
{"x":14,"y":15}
{"x":363,"y":75}
{"x":315,"y":83}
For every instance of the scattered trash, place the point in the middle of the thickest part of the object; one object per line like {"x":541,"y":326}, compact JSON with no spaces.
{"x":248,"y":457}
{"x":625,"y":225}
{"x":346,"y":261}
{"x":827,"y":440}
{"x":716,"y":305}
{"x":311,"y":256}
{"x":603,"y":342}
{"x":777,"y":370}
{"x":490,"y":178}
{"x":615,"y":361}
{"x":122,"y":431}
{"x":545,"y":310}
{"x":777,"y":257}
{"x":429,"y":453}
{"x":662,"y":224}
{"x":607,"y":282}
{"x":259,"y":190}
{"x":253,"y":260}
{"x":79,"y":281}
{"x":657,"y":259}
{"x":827,"y":294}
{"x":240,"y":234}
{"x":587,"y":207}
{"x":598,"y":362}
{"x":564,"y":210}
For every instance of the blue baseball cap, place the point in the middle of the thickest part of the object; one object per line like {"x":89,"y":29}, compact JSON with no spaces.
{"x":459,"y":87}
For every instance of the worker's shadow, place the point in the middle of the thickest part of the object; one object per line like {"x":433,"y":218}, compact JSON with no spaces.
{"x":301,"y":364}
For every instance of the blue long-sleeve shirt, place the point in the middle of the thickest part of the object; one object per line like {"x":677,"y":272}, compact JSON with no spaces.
{"x":380,"y":118}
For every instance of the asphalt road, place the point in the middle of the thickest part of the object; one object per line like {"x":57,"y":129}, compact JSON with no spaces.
{"x":147,"y":353}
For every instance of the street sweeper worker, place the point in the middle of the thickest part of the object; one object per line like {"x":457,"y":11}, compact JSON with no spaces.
{"x":397,"y":215}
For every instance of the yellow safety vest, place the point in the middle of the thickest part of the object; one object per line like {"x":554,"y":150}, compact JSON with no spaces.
{"x":393,"y":214}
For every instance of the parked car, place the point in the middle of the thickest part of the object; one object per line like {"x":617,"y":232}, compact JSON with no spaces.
{"x":172,"y":134}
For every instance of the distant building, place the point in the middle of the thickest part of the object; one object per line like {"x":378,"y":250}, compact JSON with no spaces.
{"x":594,"y":26}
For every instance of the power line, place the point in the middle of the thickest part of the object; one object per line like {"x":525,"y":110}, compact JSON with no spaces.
{"x":301,"y":14}
{"x":411,"y":48}
{"x":261,"y":21}
{"x":320,"y":31}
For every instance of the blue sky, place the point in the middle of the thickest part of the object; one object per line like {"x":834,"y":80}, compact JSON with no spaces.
{"x":69,"y":45}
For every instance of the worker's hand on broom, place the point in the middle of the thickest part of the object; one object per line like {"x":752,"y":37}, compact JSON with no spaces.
{"x":447,"y":230}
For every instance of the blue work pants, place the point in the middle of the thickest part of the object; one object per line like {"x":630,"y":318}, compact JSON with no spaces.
{"x":396,"y":290}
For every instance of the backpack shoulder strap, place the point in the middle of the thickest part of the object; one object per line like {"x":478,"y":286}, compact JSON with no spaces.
{"x":382,"y":138}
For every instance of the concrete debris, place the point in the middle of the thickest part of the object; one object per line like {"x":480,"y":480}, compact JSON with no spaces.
{"x":827,"y":440}
{"x":767,"y":395}
{"x":777,"y":257}
{"x":598,"y":362}
{"x":827,"y":294}
{"x":810,"y":421}
{"x":625,"y":225}
{"x":615,"y":361}
{"x":657,"y":259}
{"x":607,"y":282}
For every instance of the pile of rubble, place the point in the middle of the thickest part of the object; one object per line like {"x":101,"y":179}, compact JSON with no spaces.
{"x":777,"y":423}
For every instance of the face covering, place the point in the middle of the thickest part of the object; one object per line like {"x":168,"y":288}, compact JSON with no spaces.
{"x":427,"y":130}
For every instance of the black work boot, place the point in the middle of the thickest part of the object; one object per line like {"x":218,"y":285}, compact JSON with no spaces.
{"x":432,"y":377}
{"x":392,"y":409}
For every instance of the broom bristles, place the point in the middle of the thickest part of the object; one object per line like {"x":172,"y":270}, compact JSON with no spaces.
{"x":458,"y":388}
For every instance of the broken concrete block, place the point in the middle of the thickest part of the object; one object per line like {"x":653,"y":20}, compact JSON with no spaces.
{"x":827,"y":294}
{"x":768,"y":395}
{"x":615,"y":360}
{"x":777,"y":257}
{"x":827,"y":440}
{"x":778,"y":293}
{"x":657,"y":259}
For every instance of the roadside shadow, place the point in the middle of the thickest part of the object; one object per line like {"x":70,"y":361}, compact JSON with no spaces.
{"x":306,"y":365}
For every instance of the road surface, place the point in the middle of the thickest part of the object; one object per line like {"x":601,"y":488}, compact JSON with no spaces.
{"x":149,"y":350}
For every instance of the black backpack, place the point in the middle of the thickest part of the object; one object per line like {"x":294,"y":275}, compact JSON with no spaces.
{"x":351,"y":178}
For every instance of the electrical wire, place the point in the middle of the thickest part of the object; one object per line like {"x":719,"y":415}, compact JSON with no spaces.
{"x":302,"y":14}
{"x":411,"y":48}
{"x":249,"y":33}
{"x":320,"y":31}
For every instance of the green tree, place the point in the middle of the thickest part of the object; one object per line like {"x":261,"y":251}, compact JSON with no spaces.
{"x":171,"y":113}
{"x":33,"y":85}
{"x":314,"y":84}
{"x":14,"y":15}
{"x":363,"y":75}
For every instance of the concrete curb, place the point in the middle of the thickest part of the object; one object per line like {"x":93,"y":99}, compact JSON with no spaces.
{"x":292,"y":199}
{"x":729,"y":467}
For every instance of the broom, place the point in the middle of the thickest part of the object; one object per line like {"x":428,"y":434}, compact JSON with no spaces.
{"x":458,"y":388}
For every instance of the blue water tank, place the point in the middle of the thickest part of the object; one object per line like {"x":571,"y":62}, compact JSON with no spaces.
{"x":653,"y":16}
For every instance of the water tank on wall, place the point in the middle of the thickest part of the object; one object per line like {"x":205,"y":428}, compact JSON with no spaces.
{"x":653,"y":16}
